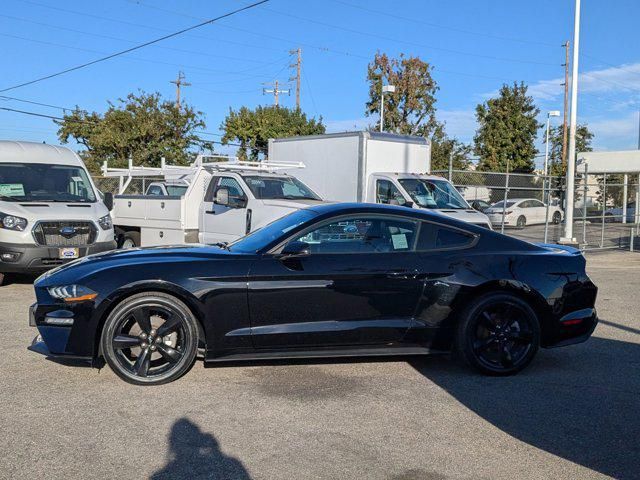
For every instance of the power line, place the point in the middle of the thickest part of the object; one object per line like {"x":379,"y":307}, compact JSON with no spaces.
{"x":137,"y":47}
{"x":444,"y":27}
{"x":374,"y":35}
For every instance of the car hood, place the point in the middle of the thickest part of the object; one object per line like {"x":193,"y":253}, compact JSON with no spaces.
{"x":35,"y":211}
{"x":135,"y":256}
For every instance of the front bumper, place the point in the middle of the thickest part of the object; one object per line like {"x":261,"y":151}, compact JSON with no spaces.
{"x":35,"y":258}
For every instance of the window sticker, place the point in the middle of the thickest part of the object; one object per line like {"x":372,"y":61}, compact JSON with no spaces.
{"x":12,"y":189}
{"x":399,"y":241}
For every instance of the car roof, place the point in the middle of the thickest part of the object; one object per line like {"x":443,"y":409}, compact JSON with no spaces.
{"x":330,"y":209}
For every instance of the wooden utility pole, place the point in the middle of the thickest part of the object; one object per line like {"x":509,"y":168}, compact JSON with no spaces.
{"x":276,"y":91}
{"x":179,"y":82}
{"x":298,"y":67}
{"x":566,"y":105}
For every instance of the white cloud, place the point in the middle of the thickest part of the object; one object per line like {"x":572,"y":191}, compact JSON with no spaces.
{"x":622,"y":79}
{"x":615,"y":133}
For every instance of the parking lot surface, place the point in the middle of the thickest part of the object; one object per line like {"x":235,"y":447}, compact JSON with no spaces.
{"x":574,"y":413}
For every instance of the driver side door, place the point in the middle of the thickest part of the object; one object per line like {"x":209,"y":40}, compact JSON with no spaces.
{"x":224,"y":223}
{"x":357,"y":284}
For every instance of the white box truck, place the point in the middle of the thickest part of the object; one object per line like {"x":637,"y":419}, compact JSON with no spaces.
{"x":50,"y":210}
{"x":373,"y":167}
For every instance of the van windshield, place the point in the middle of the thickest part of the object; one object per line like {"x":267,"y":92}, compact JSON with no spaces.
{"x":433,"y":193}
{"x":38,"y":182}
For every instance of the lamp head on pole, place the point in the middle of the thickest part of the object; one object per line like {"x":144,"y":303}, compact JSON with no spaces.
{"x":553,"y":113}
{"x":388,"y":88}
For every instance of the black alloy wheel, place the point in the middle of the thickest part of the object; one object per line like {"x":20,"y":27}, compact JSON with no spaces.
{"x":150,"y":339}
{"x":521,"y":222}
{"x":499,"y":334}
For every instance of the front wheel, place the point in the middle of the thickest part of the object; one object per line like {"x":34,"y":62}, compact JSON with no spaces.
{"x":150,"y":338}
{"x":557,"y":218}
{"x":130,"y":240}
{"x":498,"y":334}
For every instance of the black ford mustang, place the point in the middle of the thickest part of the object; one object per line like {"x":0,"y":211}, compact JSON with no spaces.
{"x":327,"y":281}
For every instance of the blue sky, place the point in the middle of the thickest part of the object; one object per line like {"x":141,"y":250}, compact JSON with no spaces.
{"x":474,"y":46}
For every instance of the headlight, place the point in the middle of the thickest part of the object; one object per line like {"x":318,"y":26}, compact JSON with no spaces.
{"x":72,"y":293}
{"x":105,"y":222}
{"x":11,"y":222}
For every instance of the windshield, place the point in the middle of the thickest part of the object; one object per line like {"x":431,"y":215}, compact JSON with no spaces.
{"x":177,"y":190}
{"x":37,"y":182}
{"x":501,"y":203}
{"x":279,"y":188}
{"x":270,"y":232}
{"x":433,"y":193}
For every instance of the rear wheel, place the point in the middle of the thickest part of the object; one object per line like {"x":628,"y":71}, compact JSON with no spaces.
{"x":130,"y":240}
{"x":557,"y":218}
{"x":498,"y":334}
{"x":150,"y":338}
{"x":521,"y":222}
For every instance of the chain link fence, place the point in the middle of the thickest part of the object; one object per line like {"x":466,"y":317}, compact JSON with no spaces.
{"x":137,"y":185}
{"x":532,"y":206}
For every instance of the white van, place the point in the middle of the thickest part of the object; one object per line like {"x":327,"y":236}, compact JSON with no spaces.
{"x":50,"y":210}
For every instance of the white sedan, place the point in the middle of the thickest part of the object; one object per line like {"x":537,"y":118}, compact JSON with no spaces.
{"x":520,"y":212}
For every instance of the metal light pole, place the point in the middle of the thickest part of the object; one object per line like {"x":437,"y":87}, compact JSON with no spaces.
{"x":385,"y":89}
{"x":571,"y":156}
{"x":546,"y":187}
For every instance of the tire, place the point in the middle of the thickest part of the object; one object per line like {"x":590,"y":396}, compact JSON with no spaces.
{"x":3,"y":277}
{"x":513,"y":343}
{"x":521,"y":222}
{"x":557,"y":218}
{"x":130,"y":240}
{"x":133,"y":343}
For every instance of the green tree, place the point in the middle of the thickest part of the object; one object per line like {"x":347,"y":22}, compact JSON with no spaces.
{"x":507,"y":130}
{"x":143,"y":127}
{"x":410,"y":110}
{"x":584,"y":136}
{"x":444,"y":148}
{"x":252,"y":129}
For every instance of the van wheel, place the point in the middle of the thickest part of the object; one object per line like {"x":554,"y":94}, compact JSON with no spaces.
{"x":498,"y":334}
{"x":130,"y":240}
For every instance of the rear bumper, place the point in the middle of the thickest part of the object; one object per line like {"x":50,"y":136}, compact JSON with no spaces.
{"x":570,"y":333}
{"x":35,"y":258}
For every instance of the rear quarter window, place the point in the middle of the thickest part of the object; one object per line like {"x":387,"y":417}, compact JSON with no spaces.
{"x":437,"y":237}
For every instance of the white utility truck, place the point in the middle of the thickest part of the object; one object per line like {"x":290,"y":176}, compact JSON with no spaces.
{"x":373,"y":167}
{"x":224,"y":200}
{"x":50,"y":210}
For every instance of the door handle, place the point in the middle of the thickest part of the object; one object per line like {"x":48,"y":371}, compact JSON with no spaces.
{"x":402,"y":274}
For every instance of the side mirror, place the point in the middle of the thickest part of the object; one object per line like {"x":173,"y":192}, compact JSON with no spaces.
{"x":222,"y":197}
{"x":408,"y":204}
{"x":295,"y":249}
{"x":108,"y":200}
{"x":476,"y":206}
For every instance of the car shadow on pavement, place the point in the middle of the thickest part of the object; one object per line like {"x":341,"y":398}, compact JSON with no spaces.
{"x":581,"y":403}
{"x":195,"y":454}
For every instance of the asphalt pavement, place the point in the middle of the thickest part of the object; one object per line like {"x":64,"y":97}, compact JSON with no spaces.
{"x":574,"y":413}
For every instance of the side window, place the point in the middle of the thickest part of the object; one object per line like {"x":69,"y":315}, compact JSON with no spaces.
{"x":154,"y":190}
{"x":235,"y":190}
{"x":387,"y":192}
{"x":362,"y":235}
{"x":435,"y":237}
{"x":537,"y":203}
